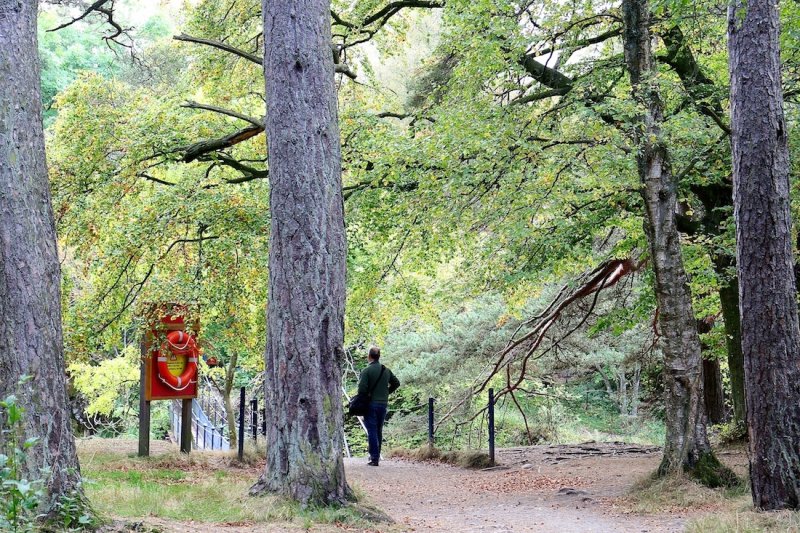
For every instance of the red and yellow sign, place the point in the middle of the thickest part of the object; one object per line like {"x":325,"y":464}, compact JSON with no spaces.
{"x":171,"y":360}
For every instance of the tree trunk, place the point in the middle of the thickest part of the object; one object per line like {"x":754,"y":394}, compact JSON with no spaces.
{"x":230,"y":415}
{"x":770,"y":332}
{"x":729,"y":304}
{"x":622,"y":391}
{"x":637,"y":380}
{"x":307,"y":257}
{"x":686,"y":440}
{"x":713,"y":391}
{"x":30,"y":296}
{"x":717,"y":199}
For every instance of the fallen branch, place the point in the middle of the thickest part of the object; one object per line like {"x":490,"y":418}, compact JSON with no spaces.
{"x":605,"y":275}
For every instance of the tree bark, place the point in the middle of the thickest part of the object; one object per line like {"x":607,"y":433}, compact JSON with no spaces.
{"x":30,"y":296}
{"x":686,"y":440}
{"x":767,"y":290}
{"x":226,"y":389}
{"x":637,"y":380}
{"x":717,"y":199}
{"x":713,"y":391}
{"x":729,"y":304}
{"x":307,"y":257}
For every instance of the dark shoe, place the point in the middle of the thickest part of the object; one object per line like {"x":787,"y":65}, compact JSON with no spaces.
{"x":372,"y":463}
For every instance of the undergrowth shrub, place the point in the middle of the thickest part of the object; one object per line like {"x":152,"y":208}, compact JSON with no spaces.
{"x":464,"y":458}
{"x":23,"y":499}
{"x":19,"y":497}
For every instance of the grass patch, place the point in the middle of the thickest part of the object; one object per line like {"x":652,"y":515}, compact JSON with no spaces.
{"x":203,"y":486}
{"x":601,"y":423}
{"x":724,"y":510}
{"x":464,"y":458}
{"x":744,"y":521}
{"x":673,"y":493}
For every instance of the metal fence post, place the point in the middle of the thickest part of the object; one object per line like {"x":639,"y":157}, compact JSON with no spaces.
{"x":241,"y":424}
{"x":491,"y":426}
{"x":254,"y":418}
{"x":430,"y":422}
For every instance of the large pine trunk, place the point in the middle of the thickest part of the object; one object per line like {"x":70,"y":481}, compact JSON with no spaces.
{"x":307,"y":257}
{"x":767,"y":291}
{"x":30,"y":298}
{"x":686,"y":440}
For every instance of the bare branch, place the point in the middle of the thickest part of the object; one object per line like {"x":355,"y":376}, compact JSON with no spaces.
{"x":155,"y":180}
{"x":94,"y":7}
{"x":697,"y":84}
{"x":223,"y":111}
{"x":349,"y":190}
{"x":199,"y":149}
{"x":392,"y":8}
{"x":339,"y":68}
{"x":391,"y":114}
{"x":249,"y":173}
{"x":136,"y":288}
{"x":582,"y":43}
{"x":219,"y":45}
{"x":547,"y":76}
{"x":541,"y":95}
{"x":605,"y":275}
{"x":338,"y":21}
{"x":106,"y":8}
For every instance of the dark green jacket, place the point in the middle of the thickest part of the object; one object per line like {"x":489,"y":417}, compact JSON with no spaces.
{"x":387,"y":385}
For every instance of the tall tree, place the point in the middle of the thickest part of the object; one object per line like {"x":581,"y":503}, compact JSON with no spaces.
{"x":30,"y":299}
{"x":686,"y":440}
{"x":770,"y":332}
{"x":307,"y":260}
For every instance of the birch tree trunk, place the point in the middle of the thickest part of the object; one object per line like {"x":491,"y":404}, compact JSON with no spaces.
{"x":686,"y":440}
{"x":305,"y":312}
{"x":767,"y":290}
{"x":30,"y":297}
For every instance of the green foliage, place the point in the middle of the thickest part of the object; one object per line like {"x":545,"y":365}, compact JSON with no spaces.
{"x":107,"y":385}
{"x":464,"y":218}
{"x":557,"y":402}
{"x":65,"y":54}
{"x":732,"y":432}
{"x":20,"y":498}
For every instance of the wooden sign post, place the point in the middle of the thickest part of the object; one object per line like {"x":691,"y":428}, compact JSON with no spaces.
{"x":164,"y":374}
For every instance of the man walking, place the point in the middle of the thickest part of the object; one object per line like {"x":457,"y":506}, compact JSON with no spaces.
{"x":380,"y":382}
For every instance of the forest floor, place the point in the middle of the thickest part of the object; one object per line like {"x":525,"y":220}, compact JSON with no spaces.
{"x":583,"y":488}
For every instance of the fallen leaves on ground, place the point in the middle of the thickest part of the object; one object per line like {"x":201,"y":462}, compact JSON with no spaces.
{"x":523,"y":481}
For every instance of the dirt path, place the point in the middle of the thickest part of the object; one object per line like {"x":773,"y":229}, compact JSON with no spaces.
{"x":543,"y":489}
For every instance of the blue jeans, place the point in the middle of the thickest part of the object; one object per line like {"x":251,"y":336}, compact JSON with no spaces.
{"x":376,"y":414}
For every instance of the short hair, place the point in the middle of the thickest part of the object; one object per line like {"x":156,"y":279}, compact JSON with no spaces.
{"x":375,"y":353}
